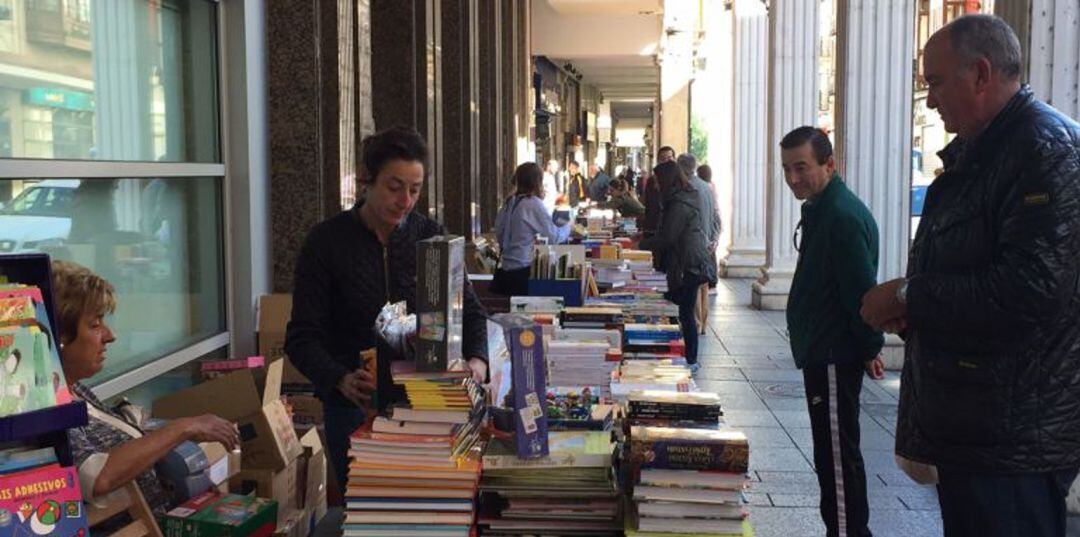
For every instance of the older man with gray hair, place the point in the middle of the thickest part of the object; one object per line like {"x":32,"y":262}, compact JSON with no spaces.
{"x":990,"y":307}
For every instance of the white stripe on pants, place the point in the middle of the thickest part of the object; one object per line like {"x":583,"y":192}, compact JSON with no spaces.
{"x":838,"y":466}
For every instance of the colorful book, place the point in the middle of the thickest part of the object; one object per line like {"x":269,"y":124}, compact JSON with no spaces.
{"x":43,"y":501}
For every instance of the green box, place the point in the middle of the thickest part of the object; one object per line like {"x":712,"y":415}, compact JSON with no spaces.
{"x":213,"y":514}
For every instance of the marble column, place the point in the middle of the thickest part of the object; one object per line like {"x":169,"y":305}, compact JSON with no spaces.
{"x":746,"y":255}
{"x":493,"y":122}
{"x":458,"y":175}
{"x":1054,"y":50}
{"x":793,"y":93}
{"x":874,"y":125}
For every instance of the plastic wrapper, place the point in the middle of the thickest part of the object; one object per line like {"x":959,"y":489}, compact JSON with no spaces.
{"x":397,"y":328}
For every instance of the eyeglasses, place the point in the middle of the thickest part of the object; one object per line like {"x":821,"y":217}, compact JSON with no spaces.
{"x":795,"y":241}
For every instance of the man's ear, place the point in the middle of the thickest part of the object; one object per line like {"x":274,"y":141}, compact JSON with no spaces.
{"x":983,"y":70}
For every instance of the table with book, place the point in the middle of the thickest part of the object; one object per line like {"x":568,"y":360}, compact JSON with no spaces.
{"x":592,"y":425}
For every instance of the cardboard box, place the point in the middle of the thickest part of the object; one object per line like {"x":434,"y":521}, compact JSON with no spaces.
{"x":292,"y":523}
{"x":281,"y":486}
{"x":223,"y":463}
{"x":218,"y":368}
{"x":307,"y":410}
{"x":221,"y":515}
{"x":267,"y":438}
{"x":525,"y":343}
{"x":313,"y":479}
{"x":440,"y":293}
{"x":274,"y":312}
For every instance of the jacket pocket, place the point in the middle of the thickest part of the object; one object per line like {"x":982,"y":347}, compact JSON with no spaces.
{"x":963,"y":399}
{"x":958,"y":239}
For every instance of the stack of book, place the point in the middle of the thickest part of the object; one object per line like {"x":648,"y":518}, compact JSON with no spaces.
{"x":592,"y":317}
{"x":659,"y":375}
{"x":639,"y":306}
{"x":652,"y":279}
{"x":688,"y":481}
{"x":572,"y":491}
{"x":583,"y":356}
{"x":416,"y":471}
{"x":575,"y":408}
{"x":674,"y":409}
{"x":653,"y":342}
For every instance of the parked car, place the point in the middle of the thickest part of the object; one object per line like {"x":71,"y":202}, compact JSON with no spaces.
{"x":39,"y":215}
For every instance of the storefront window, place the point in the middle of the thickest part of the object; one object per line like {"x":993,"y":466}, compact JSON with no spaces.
{"x":157,"y":240}
{"x":130,"y":81}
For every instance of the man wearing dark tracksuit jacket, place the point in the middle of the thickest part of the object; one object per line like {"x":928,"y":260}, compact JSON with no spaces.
{"x":838,"y":257}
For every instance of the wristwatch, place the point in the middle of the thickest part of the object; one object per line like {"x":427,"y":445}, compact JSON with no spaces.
{"x":901,"y":292}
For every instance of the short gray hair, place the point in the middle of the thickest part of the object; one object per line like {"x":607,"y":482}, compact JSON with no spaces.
{"x":688,"y":164}
{"x":986,"y":36}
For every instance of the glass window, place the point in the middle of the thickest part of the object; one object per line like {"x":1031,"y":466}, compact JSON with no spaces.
{"x":159,"y":241}
{"x":124,"y":81}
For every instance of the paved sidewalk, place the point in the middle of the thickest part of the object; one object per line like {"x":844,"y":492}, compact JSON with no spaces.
{"x":745,"y":358}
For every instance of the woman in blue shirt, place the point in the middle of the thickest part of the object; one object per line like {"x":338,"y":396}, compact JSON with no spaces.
{"x":520,"y":220}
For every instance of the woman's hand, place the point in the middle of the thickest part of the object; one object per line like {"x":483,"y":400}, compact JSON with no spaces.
{"x":210,"y":428}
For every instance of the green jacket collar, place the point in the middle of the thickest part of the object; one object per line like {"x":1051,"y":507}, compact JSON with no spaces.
{"x":833,"y":189}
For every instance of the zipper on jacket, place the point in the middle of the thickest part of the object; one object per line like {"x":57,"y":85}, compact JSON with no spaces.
{"x":386,"y":272}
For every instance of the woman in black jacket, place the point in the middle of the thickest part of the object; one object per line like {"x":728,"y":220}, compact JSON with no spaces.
{"x":681,"y":249}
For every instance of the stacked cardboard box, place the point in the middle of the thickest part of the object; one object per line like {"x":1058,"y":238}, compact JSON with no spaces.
{"x":274,"y":312}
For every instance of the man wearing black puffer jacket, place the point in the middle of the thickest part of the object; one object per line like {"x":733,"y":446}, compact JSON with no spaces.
{"x":990,"y":308}
{"x":349,"y":267}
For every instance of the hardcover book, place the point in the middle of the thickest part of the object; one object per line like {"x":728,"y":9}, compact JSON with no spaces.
{"x":42,"y":501}
{"x":723,"y":450}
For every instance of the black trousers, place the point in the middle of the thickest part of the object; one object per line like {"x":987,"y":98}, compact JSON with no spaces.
{"x":988,"y":505}
{"x":686,"y":298}
{"x":832,"y":398}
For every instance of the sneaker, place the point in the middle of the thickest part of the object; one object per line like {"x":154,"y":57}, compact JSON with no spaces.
{"x":694,"y":368}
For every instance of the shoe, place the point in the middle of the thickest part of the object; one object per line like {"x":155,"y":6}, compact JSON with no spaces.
{"x":694,"y":368}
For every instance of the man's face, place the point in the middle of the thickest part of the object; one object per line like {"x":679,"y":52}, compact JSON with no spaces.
{"x":952,"y":86}
{"x":573,"y":169}
{"x":593,"y":170}
{"x":396,"y":190}
{"x":666,"y":155}
{"x":803,"y":174}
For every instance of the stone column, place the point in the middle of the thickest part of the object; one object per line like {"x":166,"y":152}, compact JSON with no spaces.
{"x":458,"y":176}
{"x":874,"y":125}
{"x":493,"y":122}
{"x":793,"y":92}
{"x":746,"y":255}
{"x":304,"y":75}
{"x":1054,"y":50}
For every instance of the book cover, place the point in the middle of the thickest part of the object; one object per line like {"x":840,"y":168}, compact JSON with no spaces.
{"x":43,"y":501}
{"x":213,"y":514}
{"x":439,"y":301}
{"x":722,"y":450}
{"x":524,"y":339}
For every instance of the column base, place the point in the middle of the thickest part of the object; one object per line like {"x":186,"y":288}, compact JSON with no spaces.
{"x":893,"y":352}
{"x":770,"y":292}
{"x":742,"y":264}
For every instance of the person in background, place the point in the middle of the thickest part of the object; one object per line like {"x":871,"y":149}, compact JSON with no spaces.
{"x":349,"y":267}
{"x":665,"y":154}
{"x":681,"y":249}
{"x":990,"y":307}
{"x":521,"y":218}
{"x":551,"y":185}
{"x":623,"y":200}
{"x":110,"y":451}
{"x":705,"y":173}
{"x":654,"y":209}
{"x":688,"y":165}
{"x":598,"y":185}
{"x":838,"y":262}
{"x":575,"y":185}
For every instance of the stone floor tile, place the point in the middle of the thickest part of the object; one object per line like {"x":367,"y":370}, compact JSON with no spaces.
{"x":794,"y":500}
{"x":711,"y":372}
{"x":792,"y":418}
{"x":750,"y":418}
{"x":771,"y":374}
{"x":778,"y":459}
{"x":742,"y":402}
{"x":787,"y":522}
{"x":768,"y":437}
{"x":758,"y":499}
{"x":904,"y":523}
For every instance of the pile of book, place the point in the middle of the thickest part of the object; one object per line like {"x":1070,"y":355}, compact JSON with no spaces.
{"x":639,"y":306}
{"x":571,"y":491}
{"x":660,"y":375}
{"x":688,"y":481}
{"x":576,"y":408}
{"x":583,"y":356}
{"x":650,"y":279}
{"x":673,"y":409}
{"x":416,"y":471}
{"x":592,"y":317}
{"x":653,"y":342}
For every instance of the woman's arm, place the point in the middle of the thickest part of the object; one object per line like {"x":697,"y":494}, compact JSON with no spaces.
{"x":126,"y":461}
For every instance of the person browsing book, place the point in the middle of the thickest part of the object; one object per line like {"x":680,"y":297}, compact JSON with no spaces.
{"x":111,"y":450}
{"x":522,"y":217}
{"x":349,"y":267}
